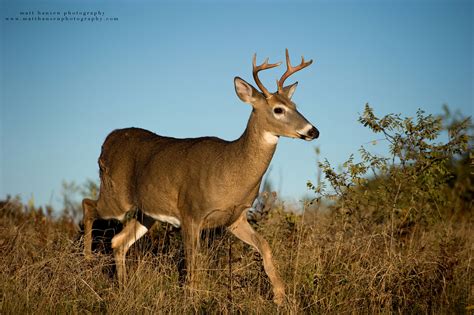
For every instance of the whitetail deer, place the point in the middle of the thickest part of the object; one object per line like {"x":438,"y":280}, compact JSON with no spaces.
{"x":196,"y":183}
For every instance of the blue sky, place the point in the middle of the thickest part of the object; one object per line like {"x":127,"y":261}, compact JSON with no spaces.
{"x":169,"y":67}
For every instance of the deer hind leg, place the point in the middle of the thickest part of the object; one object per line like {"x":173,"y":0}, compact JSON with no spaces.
{"x":121,"y":242}
{"x":89,"y":208}
{"x":242,"y":229}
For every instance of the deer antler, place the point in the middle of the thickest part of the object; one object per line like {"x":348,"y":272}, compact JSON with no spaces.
{"x":290,"y":70}
{"x":265,"y":65}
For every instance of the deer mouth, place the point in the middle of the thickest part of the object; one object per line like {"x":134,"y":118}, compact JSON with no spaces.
{"x":313,"y":133}
{"x":304,"y":137}
{"x":308,"y":133}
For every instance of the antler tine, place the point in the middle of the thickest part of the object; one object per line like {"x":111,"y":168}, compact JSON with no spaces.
{"x":290,"y":70}
{"x":265,"y":65}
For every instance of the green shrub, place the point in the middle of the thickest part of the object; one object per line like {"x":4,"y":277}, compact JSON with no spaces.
{"x":421,"y":181}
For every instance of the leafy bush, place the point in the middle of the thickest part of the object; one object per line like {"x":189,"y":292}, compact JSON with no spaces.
{"x":421,"y":181}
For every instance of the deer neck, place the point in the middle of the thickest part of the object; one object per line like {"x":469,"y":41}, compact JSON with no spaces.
{"x":256,"y":147}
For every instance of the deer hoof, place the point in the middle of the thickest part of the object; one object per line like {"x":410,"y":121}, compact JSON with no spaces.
{"x":87,"y":255}
{"x":279,"y":296}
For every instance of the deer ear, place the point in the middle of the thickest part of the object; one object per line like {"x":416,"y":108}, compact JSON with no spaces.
{"x":289,"y":90}
{"x":245,"y":91}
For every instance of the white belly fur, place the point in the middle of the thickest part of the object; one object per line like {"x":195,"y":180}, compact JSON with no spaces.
{"x":166,"y":218}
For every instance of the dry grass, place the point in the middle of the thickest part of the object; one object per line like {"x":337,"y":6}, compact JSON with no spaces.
{"x":329,"y":264}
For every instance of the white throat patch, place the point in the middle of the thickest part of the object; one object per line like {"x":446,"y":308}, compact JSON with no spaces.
{"x":270,"y":138}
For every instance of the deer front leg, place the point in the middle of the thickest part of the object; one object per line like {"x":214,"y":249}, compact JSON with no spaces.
{"x":89,"y":216}
{"x":242,"y":229}
{"x":191,"y":234}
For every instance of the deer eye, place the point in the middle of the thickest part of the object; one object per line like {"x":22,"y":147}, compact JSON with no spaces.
{"x":278,"y":110}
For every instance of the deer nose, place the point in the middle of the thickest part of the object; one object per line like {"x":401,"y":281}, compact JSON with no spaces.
{"x":313,"y":133}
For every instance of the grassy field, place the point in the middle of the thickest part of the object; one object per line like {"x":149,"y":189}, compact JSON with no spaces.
{"x":329,"y":265}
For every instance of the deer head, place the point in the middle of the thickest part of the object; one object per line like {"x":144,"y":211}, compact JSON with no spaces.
{"x":275,"y":112}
